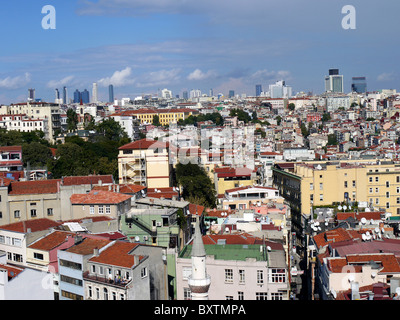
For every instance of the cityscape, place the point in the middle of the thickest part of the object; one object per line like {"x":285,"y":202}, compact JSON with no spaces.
{"x":193,"y":184}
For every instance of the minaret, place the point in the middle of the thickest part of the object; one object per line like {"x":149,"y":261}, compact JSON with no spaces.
{"x":199,"y":281}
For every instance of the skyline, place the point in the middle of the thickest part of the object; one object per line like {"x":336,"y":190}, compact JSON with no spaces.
{"x":142,"y":47}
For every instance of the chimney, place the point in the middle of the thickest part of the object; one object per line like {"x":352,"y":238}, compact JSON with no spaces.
{"x":355,"y":293}
{"x":96,"y":252}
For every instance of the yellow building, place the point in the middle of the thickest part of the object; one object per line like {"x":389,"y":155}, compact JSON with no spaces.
{"x":145,"y":162}
{"x":166,"y":116}
{"x":226,"y":178}
{"x":318,"y":183}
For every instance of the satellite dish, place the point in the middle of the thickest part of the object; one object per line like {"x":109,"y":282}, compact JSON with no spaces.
{"x":137,"y":239}
{"x":351,"y":278}
{"x":377,"y":230}
{"x":363,"y":220}
{"x":269,"y":248}
{"x":340,"y":207}
{"x":364,"y":237}
{"x":367,"y":234}
{"x":344,"y":207}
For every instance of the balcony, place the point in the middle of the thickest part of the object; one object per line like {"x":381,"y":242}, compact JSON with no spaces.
{"x":105,"y":280}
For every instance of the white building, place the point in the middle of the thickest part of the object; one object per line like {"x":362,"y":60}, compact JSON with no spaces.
{"x":94,"y":93}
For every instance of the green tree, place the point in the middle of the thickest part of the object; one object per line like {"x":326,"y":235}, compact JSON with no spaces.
{"x":291,"y":106}
{"x":332,"y":140}
{"x":156,"y":121}
{"x":111,"y":130}
{"x":196,"y":184}
{"x":72,"y":120}
{"x":36,"y":154}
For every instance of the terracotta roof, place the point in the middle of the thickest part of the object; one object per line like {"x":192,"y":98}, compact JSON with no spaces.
{"x":144,"y":144}
{"x":336,"y":235}
{"x":12,"y":271}
{"x":78,"y":180}
{"x":11,"y":149}
{"x":51,"y":241}
{"x":233,"y":172}
{"x":35,"y":225}
{"x":99,"y":197}
{"x":123,"y":188}
{"x":118,"y":255}
{"x":88,"y":245}
{"x":196,"y":209}
{"x":376,"y":215}
{"x":34,"y":187}
{"x":248,"y":187}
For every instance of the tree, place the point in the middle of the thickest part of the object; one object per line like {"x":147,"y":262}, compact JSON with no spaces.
{"x":72,"y":120}
{"x":156,"y":120}
{"x":111,"y":130}
{"x":332,"y":140}
{"x":36,"y":154}
{"x":196,"y":184}
{"x":291,"y":106}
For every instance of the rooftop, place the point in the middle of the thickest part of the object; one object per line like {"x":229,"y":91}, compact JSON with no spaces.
{"x":99,"y":197}
{"x":34,"y":187}
{"x":144,"y":144}
{"x":92,"y":179}
{"x":34,"y":225}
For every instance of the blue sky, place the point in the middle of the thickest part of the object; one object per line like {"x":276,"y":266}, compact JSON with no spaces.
{"x":141,"y":46}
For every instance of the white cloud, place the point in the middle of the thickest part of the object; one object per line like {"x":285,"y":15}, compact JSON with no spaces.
{"x":200,"y":75}
{"x":386,"y":77}
{"x":266,"y":75}
{"x":15,"y":82}
{"x":119,"y":78}
{"x":60,"y":83}
{"x":158,"y":78}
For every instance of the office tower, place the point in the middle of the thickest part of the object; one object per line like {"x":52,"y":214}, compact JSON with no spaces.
{"x":334,"y":82}
{"x":195,"y":93}
{"x":185,"y":95}
{"x":211,"y":92}
{"x":65,"y":95}
{"x":94,"y":93}
{"x":31,"y":96}
{"x":57,"y":94}
{"x":359,"y":85}
{"x":280,"y":90}
{"x":231,"y":93}
{"x":85,"y":96}
{"x":258,"y":90}
{"x":77,"y":96}
{"x":111,"y":93}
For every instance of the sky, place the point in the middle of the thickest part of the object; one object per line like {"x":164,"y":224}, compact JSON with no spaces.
{"x":142,"y":46}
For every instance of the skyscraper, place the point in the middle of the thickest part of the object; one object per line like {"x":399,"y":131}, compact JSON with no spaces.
{"x":334,"y":82}
{"x":231,"y":93}
{"x":359,"y":84}
{"x":31,"y":96}
{"x":111,"y":93}
{"x":94,"y":93}
{"x":77,"y":96}
{"x":85,"y":96}
{"x":280,"y":90}
{"x":258,"y":90}
{"x":65,"y":95}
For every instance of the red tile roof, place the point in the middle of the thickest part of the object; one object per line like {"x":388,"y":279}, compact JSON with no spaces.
{"x":12,"y":271}
{"x":123,"y":188}
{"x":78,"y":180}
{"x":196,"y":209}
{"x":118,"y":255}
{"x":336,"y":235}
{"x":99,"y":197}
{"x":51,"y":241}
{"x":34,"y":225}
{"x":34,"y":187}
{"x":144,"y":144}
{"x":376,"y":215}
{"x":11,"y":149}
{"x":88,"y":245}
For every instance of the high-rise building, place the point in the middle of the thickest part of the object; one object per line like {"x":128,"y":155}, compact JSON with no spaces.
{"x":77,"y":96}
{"x":359,"y":85}
{"x":31,"y":96}
{"x":334,"y":82}
{"x":280,"y":90}
{"x":185,"y":95}
{"x":231,"y":93}
{"x":94,"y":93}
{"x":65,"y":95}
{"x":85,"y":96}
{"x":111,"y":93}
{"x":258,"y":90}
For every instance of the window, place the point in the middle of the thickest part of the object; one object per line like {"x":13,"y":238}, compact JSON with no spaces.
{"x":387,"y":205}
{"x":186,"y":272}
{"x":387,"y":184}
{"x":376,"y":179}
{"x":38,"y":256}
{"x":276,"y":295}
{"x":33,"y":212}
{"x":354,"y":183}
{"x":345,"y":184}
{"x":311,"y":197}
{"x":91,"y":210}
{"x":398,"y":179}
{"x":228,"y":276}
{"x":76,"y":282}
{"x":398,"y":200}
{"x":17,"y":214}
{"x":261,"y":296}
{"x":242,"y":278}
{"x":377,"y":201}
{"x":70,"y":264}
{"x":101,"y":209}
{"x":105,"y":292}
{"x":321,"y":186}
{"x":97,"y":293}
{"x":2,"y":239}
{"x":228,"y":297}
{"x":143,"y":272}
{"x":370,"y":190}
{"x":187,"y":294}
{"x":387,"y":194}
{"x":311,"y":186}
{"x":108,"y":209}
{"x":321,"y":197}
{"x":90,"y":292}
{"x":260,"y":276}
{"x":70,"y":295}
{"x":370,"y":179}
{"x":240,"y":295}
{"x":277,"y":275}
{"x":49,"y":211}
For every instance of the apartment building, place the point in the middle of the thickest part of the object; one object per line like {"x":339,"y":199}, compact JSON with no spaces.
{"x":238,"y":271}
{"x":11,"y":164}
{"x":23,"y":123}
{"x":38,"y":110}
{"x":145,"y":162}
{"x":166,"y":116}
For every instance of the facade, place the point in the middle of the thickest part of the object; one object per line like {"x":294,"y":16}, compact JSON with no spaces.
{"x":359,"y":84}
{"x":237,"y":272}
{"x":39,"y":111}
{"x":334,"y":81}
{"x":145,"y":162}
{"x":22,"y":123}
{"x":11,"y":160}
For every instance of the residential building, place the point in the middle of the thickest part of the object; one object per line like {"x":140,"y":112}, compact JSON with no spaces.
{"x":11,"y":162}
{"x":239,"y":271}
{"x":23,"y":123}
{"x":226,"y":178}
{"x":145,"y":162}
